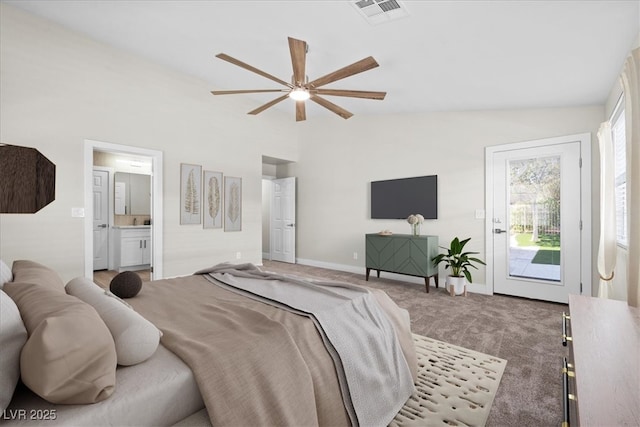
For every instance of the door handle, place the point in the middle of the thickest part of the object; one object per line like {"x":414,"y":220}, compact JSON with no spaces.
{"x":565,"y":337}
{"x":499,"y":231}
{"x":102,"y":226}
{"x":291,"y":225}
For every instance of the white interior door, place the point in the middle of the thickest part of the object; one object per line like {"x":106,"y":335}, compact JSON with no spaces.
{"x":283,"y":220}
{"x":536,"y":217}
{"x":100,"y":220}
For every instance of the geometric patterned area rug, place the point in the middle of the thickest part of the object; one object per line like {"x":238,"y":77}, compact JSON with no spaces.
{"x":456,"y":386}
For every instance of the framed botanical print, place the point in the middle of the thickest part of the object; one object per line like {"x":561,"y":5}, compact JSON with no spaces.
{"x":190,"y":193}
{"x":212,"y":198}
{"x":232,"y":203}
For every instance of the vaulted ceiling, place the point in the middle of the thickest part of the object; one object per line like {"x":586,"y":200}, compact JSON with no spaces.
{"x":438,"y":56}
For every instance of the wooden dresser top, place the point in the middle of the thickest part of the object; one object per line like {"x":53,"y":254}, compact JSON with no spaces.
{"x":606,"y":352}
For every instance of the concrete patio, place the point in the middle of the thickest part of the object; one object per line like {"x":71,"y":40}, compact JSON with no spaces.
{"x":521,"y":265}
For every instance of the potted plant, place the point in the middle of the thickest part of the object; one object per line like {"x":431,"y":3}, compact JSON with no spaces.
{"x":459,"y":262}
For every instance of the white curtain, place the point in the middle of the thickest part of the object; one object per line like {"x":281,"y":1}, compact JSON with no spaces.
{"x":631,"y":85}
{"x":608,"y":245}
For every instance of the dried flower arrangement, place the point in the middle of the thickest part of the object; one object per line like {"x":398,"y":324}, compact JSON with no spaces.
{"x":415,"y":220}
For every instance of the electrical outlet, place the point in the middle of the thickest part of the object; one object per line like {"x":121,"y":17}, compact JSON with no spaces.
{"x":355,"y":255}
{"x":238,"y":255}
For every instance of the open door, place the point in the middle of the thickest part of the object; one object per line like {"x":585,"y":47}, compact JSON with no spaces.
{"x":283,"y":220}
{"x":100,"y":219}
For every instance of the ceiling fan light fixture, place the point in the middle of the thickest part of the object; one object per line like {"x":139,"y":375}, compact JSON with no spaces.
{"x":300,"y":89}
{"x":299,"y":94}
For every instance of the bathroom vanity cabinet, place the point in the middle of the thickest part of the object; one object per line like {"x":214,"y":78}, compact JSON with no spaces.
{"x":133,"y":247}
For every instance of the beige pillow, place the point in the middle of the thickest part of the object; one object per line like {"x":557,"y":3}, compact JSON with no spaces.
{"x":5,"y":274}
{"x":136,"y":338}
{"x":69,"y":356}
{"x":32,"y":272}
{"x":13,"y":335}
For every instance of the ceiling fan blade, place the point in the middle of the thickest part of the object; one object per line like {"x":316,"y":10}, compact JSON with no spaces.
{"x":351,"y":93}
{"x":268,"y":104}
{"x":355,"y":68}
{"x":331,"y":106}
{"x":301,"y":111}
{"x":233,"y":92}
{"x":298,"y":49}
{"x":246,"y":66}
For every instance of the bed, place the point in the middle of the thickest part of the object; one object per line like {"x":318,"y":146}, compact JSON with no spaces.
{"x":160,"y":391}
{"x":253,"y":348}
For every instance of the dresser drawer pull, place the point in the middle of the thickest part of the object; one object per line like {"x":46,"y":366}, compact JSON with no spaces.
{"x":566,"y":396}
{"x":565,"y":337}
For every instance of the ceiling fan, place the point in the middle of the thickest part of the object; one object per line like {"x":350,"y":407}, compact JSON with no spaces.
{"x":300,"y":89}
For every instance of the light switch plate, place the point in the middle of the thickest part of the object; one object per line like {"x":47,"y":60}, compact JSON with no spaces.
{"x":77,"y":212}
{"x":479,"y":213}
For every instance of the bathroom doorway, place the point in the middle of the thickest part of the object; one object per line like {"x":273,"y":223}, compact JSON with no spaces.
{"x":132,"y":227}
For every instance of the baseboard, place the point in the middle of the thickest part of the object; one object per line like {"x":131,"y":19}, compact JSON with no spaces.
{"x":479,"y":288}
{"x":476,"y":288}
{"x":330,"y":265}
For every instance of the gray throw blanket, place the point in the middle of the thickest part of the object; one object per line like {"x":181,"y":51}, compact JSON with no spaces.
{"x":374,"y":375}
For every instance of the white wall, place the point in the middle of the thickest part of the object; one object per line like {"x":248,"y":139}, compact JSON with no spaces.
{"x":339,"y":159}
{"x":59,"y":88}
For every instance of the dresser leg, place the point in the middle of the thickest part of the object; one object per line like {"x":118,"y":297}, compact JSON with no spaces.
{"x":426,"y":283}
{"x":367,"y":275}
{"x":436,"y":279}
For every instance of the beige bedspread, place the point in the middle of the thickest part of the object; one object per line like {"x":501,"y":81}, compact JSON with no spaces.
{"x":357,"y":333}
{"x":250,"y":361}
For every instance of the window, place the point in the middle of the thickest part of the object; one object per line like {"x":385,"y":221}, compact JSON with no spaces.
{"x":620,"y":167}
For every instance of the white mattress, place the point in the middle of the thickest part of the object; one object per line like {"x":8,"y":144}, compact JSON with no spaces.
{"x":158,"y":392}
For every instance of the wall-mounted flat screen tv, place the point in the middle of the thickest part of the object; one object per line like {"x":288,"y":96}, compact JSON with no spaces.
{"x":399,"y":198}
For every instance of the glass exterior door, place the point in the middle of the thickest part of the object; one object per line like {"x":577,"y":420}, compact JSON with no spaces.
{"x":536,"y":224}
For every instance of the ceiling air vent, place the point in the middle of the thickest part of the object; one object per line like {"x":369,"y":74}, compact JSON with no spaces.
{"x":379,"y":11}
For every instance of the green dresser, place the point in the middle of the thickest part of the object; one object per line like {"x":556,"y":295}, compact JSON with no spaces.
{"x":402,"y":254}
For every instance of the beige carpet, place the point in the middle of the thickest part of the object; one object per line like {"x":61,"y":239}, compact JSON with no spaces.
{"x":456,"y":387}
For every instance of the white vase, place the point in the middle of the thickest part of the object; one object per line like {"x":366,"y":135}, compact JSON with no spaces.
{"x":458,"y":284}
